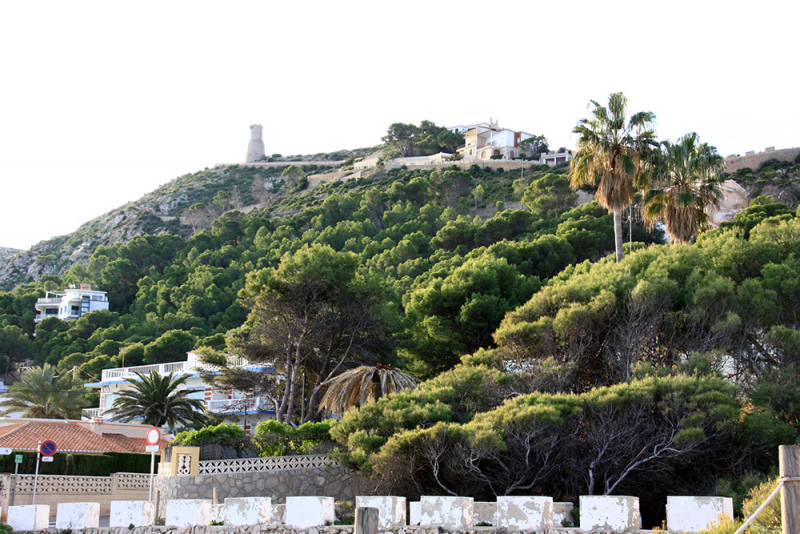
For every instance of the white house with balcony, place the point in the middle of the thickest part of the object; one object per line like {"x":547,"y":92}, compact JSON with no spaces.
{"x":70,"y":304}
{"x":247,"y":410}
{"x":482,"y":143}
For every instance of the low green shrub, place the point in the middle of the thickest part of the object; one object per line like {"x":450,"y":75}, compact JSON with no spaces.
{"x":226,"y":434}
{"x":281,"y":439}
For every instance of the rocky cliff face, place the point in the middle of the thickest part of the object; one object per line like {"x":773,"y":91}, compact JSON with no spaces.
{"x":155,"y":213}
{"x":165,"y":210}
{"x":57,"y":255}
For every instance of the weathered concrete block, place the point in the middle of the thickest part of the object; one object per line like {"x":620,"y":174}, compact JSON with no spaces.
{"x":136,"y":513}
{"x":279,"y":513}
{"x":562,"y":513}
{"x":450,"y":513}
{"x":483,"y":513}
{"x":391,"y":510}
{"x":217,"y":512}
{"x":305,"y":512}
{"x":693,"y":514}
{"x":524,"y":513}
{"x":414,"y":512}
{"x":29,"y":517}
{"x":74,"y":515}
{"x":188,"y":512}
{"x":248,"y":511}
{"x":609,"y":512}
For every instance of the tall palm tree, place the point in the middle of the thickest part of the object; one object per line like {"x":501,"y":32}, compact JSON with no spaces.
{"x":157,"y":400}
{"x":41,"y":393}
{"x":686,"y":180}
{"x":357,"y":386}
{"x":612,"y":153}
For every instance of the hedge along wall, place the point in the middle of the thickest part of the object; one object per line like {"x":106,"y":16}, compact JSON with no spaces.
{"x":99,"y":465}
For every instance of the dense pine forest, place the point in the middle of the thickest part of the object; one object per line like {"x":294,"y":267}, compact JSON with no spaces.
{"x":544,"y":366}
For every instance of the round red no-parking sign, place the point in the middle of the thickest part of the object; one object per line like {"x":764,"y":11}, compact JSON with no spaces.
{"x":48,"y":448}
{"x":153,"y":436}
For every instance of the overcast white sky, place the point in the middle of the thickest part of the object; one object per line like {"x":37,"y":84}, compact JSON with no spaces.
{"x":101,"y":102}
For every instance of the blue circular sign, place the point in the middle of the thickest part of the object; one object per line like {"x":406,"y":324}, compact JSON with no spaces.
{"x":48,"y":448}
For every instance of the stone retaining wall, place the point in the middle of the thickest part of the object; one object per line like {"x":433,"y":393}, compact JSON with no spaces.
{"x":338,"y":482}
{"x":753,"y":160}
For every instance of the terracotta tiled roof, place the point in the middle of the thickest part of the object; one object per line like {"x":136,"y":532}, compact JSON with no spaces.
{"x":133,"y":444}
{"x":68,"y":436}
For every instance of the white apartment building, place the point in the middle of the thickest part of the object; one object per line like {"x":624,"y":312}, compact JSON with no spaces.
{"x":481,"y":143}
{"x":71,"y":303}
{"x":555,"y":158}
{"x":248,"y":411}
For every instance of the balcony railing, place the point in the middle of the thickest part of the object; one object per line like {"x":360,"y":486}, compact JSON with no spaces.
{"x":234,"y":405}
{"x":55,"y":300}
{"x":165,"y":368}
{"x":91,"y":413}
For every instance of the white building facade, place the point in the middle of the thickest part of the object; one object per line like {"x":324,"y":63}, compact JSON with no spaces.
{"x":247,"y":410}
{"x":70,"y":304}
{"x":483,"y":143}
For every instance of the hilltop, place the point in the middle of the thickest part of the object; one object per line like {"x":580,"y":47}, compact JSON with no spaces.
{"x":162,"y":211}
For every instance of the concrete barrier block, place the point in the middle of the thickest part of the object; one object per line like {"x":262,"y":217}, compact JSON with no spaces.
{"x":305,"y":512}
{"x":391,"y":510}
{"x":450,"y":513}
{"x":242,"y":511}
{"x":609,"y":512}
{"x":414,"y":512}
{"x":34,"y":517}
{"x":483,"y":513}
{"x":127,"y":513}
{"x":562,"y":514}
{"x":76,"y":515}
{"x":188,"y":512}
{"x":217,"y":513}
{"x":279,"y":513}
{"x":524,"y":513}
{"x":693,"y":514}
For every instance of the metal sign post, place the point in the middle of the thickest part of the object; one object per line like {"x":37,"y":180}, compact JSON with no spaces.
{"x":36,"y":474}
{"x":47,"y":448}
{"x":17,"y":461}
{"x":153,"y":437}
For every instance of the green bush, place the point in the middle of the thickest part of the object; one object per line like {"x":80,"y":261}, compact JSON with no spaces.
{"x":769,"y":522}
{"x":226,"y":434}
{"x":280,"y":439}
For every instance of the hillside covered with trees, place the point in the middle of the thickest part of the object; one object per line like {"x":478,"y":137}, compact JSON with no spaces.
{"x":560,"y":349}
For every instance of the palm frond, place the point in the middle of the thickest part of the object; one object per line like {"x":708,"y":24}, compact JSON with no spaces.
{"x":358,"y":386}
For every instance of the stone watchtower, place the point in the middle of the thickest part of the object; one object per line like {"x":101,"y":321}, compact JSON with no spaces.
{"x":255,"y":150}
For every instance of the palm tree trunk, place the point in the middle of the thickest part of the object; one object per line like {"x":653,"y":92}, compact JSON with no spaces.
{"x":618,"y":232}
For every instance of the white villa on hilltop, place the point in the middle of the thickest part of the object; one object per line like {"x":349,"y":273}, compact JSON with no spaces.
{"x":482,"y":142}
{"x":70,"y":304}
{"x":248,"y":411}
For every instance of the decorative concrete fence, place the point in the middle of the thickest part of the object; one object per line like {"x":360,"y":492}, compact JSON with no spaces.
{"x":52,"y":490}
{"x":274,"y":477}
